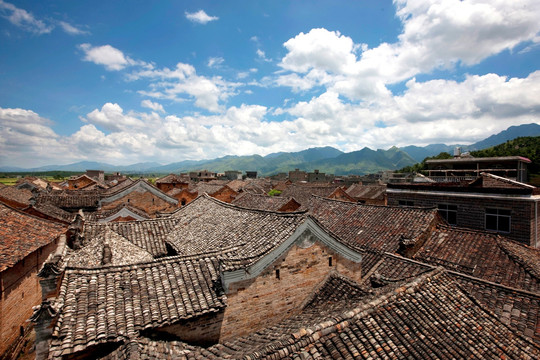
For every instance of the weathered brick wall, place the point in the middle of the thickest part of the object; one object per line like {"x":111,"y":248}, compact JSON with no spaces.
{"x":185,"y":197}
{"x":203,"y":330}
{"x":225,"y":194}
{"x":142,"y":200}
{"x":257,"y":303}
{"x":471,"y":211}
{"x":20,"y":290}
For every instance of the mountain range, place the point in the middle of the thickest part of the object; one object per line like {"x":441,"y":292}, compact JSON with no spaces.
{"x":325,"y":159}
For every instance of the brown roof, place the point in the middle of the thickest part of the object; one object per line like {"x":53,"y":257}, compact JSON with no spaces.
{"x":71,"y":199}
{"x":102,"y":214}
{"x":514,"y":307}
{"x":116,"y":303}
{"x":15,"y":197}
{"x":303,"y":192}
{"x":428,"y":316}
{"x":372,"y":192}
{"x":370,"y":226}
{"x":21,"y":234}
{"x":480,"y":254}
{"x":172,"y":179}
{"x":261,"y":202}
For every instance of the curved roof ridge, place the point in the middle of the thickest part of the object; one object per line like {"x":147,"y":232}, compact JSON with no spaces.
{"x":374,"y":205}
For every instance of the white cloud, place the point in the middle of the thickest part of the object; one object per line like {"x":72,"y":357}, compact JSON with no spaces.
{"x":208,"y":92}
{"x":106,"y":55}
{"x":200,"y":17}
{"x":262,"y":55}
{"x":153,"y":106}
{"x":215,"y":61}
{"x":112,"y":118}
{"x":23,"y":19}
{"x":435,"y":35}
{"x":72,"y":30}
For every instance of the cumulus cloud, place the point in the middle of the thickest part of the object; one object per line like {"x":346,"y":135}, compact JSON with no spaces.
{"x":23,"y":19}
{"x":183,"y":80}
{"x":200,"y":17}
{"x":106,"y":55}
{"x":435,"y":35}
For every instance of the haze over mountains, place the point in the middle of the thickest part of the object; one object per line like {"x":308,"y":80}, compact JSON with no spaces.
{"x":326,"y":159}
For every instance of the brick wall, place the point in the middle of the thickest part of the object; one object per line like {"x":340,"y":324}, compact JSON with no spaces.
{"x":260,"y":302}
{"x":142,"y":200}
{"x":471,"y":211}
{"x":20,"y":290}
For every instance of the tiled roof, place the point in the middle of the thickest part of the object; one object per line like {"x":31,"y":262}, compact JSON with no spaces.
{"x":261,"y":202}
{"x":370,"y":226}
{"x":237,"y":185}
{"x":50,"y":210}
{"x":427,"y":317}
{"x":21,"y":234}
{"x":119,"y":187}
{"x":102,"y":214}
{"x":476,"y":253}
{"x":139,"y":185}
{"x":517,"y":308}
{"x":171,"y":179}
{"x":70,"y":199}
{"x":203,"y":187}
{"x":303,"y":192}
{"x":116,"y":303}
{"x":374,"y":192}
{"x":123,"y":252}
{"x":242,"y":236}
{"x":150,"y":235}
{"x":12,"y":194}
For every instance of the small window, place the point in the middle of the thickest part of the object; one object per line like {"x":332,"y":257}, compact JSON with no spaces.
{"x":498,"y":220}
{"x":405,"y":203}
{"x":277,"y":274}
{"x":329,"y":261}
{"x":449,"y":213}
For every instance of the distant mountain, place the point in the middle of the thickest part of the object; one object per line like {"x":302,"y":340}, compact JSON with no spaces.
{"x":364,"y":161}
{"x":420,"y":153}
{"x":325,"y":159}
{"x":509,"y":134}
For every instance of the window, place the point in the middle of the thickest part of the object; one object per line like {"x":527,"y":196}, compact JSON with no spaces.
{"x":329,"y":261}
{"x":498,"y":220}
{"x":449,"y":213}
{"x":405,"y":203}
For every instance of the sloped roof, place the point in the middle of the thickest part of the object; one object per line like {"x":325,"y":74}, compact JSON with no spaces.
{"x":203,"y":187}
{"x":374,"y":192}
{"x":261,"y":202}
{"x":480,"y":254}
{"x":150,"y":235}
{"x":137,"y":186}
{"x":120,"y":210}
{"x":172,"y":179}
{"x":207,"y":225}
{"x":514,"y":307}
{"x":113,"y":304}
{"x":50,"y":210}
{"x":12,"y":193}
{"x":70,"y":199}
{"x":123,"y":252}
{"x":370,"y":226}
{"x":21,"y":234}
{"x":428,"y":317}
{"x":119,"y":186}
{"x":303,"y":192}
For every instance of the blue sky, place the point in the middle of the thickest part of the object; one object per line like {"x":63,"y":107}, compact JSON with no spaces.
{"x":126,"y":82}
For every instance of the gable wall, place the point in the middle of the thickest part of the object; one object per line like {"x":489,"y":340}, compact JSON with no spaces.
{"x":257,"y":303}
{"x":143,"y":200}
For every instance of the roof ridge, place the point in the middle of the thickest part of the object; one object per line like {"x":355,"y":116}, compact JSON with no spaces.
{"x":374,"y":205}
